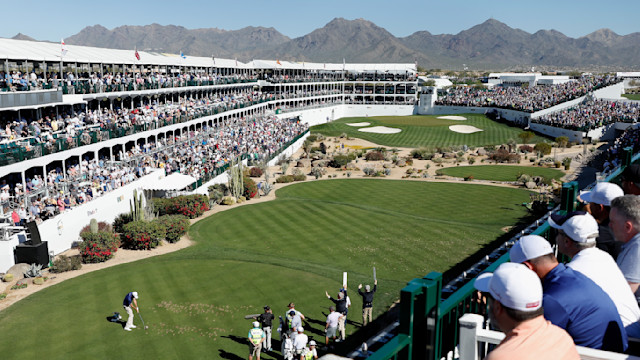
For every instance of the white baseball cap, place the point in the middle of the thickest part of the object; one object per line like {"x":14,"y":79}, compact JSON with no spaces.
{"x":300,"y":329}
{"x":602,"y":193}
{"x":513,"y":285}
{"x":529,"y":247}
{"x":135,"y":294}
{"x":579,"y":226}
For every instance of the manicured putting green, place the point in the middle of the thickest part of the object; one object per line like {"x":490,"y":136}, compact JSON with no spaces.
{"x":290,"y":249}
{"x":632,"y":96}
{"x":500,"y":172}
{"x":425,"y":131}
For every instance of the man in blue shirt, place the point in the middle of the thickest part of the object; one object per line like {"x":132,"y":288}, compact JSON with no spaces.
{"x":571,"y":300}
{"x":130,"y":301}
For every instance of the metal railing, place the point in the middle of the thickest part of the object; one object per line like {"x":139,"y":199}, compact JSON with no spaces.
{"x":429,"y":312}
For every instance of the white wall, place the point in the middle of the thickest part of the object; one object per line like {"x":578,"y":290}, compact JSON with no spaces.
{"x":554,"y":132}
{"x":6,"y":253}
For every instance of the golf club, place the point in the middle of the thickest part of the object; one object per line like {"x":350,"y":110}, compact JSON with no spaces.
{"x":145,"y":326}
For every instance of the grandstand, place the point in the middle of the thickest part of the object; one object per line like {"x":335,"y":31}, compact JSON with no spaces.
{"x":95,"y":124}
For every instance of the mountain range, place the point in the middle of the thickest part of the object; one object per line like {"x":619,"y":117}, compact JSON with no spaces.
{"x":491,"y":45}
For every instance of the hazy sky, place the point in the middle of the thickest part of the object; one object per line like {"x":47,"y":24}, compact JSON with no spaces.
{"x":53,"y":20}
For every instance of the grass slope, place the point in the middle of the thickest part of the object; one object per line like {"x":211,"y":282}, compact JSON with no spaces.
{"x":290,"y":249}
{"x":425,"y":131}
{"x":501,"y":172}
{"x":632,"y":96}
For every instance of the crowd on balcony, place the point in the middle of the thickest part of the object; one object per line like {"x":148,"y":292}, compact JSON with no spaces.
{"x":591,"y":114}
{"x":198,"y":154}
{"x":629,"y":138}
{"x":95,"y":82}
{"x":527,"y":99}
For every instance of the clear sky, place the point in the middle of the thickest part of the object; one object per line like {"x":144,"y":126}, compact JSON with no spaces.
{"x":53,"y":20}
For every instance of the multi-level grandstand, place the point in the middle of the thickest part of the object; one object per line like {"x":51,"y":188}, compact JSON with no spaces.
{"x":83,"y":127}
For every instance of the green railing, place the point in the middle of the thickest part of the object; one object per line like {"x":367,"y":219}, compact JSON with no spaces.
{"x":429,"y":326}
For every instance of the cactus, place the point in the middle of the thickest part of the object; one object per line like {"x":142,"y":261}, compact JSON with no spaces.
{"x":38,"y":281}
{"x":93,"y":225}
{"x":235,"y":177}
{"x":137,"y":212}
{"x":34,"y":271}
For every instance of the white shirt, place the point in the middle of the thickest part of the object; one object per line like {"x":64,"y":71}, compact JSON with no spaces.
{"x":600,"y":267}
{"x":300,"y":342}
{"x":333,"y":318}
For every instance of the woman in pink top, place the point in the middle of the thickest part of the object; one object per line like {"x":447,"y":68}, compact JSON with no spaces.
{"x":60,"y":204}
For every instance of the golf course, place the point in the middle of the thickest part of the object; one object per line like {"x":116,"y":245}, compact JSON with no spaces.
{"x":290,"y":249}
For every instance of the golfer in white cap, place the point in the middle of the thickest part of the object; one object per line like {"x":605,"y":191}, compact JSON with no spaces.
{"x":515,"y":307}
{"x":130,"y":301}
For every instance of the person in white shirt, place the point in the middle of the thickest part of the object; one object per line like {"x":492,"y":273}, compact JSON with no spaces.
{"x":576,"y":238}
{"x":300,"y":341}
{"x":331,"y":326}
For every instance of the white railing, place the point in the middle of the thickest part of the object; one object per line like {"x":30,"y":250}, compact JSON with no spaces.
{"x":474,"y":339}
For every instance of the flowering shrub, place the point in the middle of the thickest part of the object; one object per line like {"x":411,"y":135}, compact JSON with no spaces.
{"x":190,"y":206}
{"x":142,"y":235}
{"x":120,"y":221}
{"x":250,"y":187}
{"x":374,"y":155}
{"x":98,"y":247}
{"x":175,"y":226}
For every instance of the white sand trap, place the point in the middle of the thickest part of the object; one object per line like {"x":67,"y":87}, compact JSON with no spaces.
{"x":452,"y":117}
{"x":380,"y":130}
{"x":463,"y":129}
{"x":359,"y":124}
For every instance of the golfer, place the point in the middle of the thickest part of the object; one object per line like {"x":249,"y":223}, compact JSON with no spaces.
{"x":130,"y":301}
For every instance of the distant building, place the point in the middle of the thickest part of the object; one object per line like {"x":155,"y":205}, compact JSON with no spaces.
{"x":529,"y":79}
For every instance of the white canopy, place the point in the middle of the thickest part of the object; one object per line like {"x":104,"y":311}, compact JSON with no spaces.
{"x":175,"y":181}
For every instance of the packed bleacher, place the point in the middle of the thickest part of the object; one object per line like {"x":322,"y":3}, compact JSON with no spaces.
{"x":591,"y":114}
{"x":94,"y":82}
{"x":527,"y":99}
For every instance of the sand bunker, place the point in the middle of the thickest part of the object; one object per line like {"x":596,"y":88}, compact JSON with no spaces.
{"x":380,"y":130}
{"x":463,"y":129}
{"x":449,"y":117}
{"x":359,"y":124}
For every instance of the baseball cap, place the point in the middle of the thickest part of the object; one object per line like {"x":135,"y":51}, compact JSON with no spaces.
{"x":300,"y":329}
{"x":135,"y":294}
{"x":602,"y":193}
{"x":513,"y":285}
{"x":579,"y":226}
{"x":631,"y":173}
{"x":256,"y":324}
{"x":529,"y":247}
{"x":292,"y":312}
{"x":312,"y":343}
{"x":266,"y":307}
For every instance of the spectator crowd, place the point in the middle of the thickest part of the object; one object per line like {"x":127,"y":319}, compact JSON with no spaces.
{"x":591,"y":114}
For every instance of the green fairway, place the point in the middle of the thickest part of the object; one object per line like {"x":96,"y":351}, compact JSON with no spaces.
{"x":425,"y":131}
{"x":290,"y":249}
{"x":632,"y":96}
{"x":501,"y":172}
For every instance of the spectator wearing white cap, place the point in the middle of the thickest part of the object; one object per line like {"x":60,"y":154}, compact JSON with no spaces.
{"x":576,"y":236}
{"x":515,"y":307}
{"x":130,"y":301}
{"x":599,"y":205}
{"x":571,"y":300}
{"x":625,"y":225}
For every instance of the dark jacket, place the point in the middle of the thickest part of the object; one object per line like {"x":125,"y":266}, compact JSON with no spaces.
{"x":367,"y":297}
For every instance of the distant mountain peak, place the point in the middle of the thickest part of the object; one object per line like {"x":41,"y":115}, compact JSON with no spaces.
{"x":21,"y":36}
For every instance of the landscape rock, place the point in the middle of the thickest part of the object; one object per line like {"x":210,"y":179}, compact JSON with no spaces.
{"x":304,"y":163}
{"x":481,"y":152}
{"x":530,"y":185}
{"x":449,"y":155}
{"x":437,"y":156}
{"x":18,"y":270}
{"x":350,"y":166}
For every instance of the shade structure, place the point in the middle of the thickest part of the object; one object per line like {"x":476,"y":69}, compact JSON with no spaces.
{"x":175,"y":181}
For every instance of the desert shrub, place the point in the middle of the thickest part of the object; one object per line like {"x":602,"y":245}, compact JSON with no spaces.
{"x":503,"y":155}
{"x":255,"y":172}
{"x":284,"y":179}
{"x":468,"y":178}
{"x":175,"y":226}
{"x":369,"y":171}
{"x":317,"y":172}
{"x":299,"y":177}
{"x":526,"y":148}
{"x":250,"y":187}
{"x":422,"y":154}
{"x":374,"y":155}
{"x":190,"y":206}
{"x":7,"y":278}
{"x":98,"y":247}
{"x":543,"y":148}
{"x":216,"y":196}
{"x":66,"y":263}
{"x":228,"y":200}
{"x":38,"y":281}
{"x":339,"y":161}
{"x":471,"y":160}
{"x":223,"y":188}
{"x":102,"y":226}
{"x":142,"y":235}
{"x":120,"y":221}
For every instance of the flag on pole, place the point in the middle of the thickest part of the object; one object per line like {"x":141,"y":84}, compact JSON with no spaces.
{"x":182,"y":55}
{"x":137,"y":54}
{"x":236,"y":62}
{"x":63,"y":48}
{"x":278,"y":62}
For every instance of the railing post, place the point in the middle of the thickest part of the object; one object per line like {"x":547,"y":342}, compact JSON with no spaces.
{"x":627,"y":154}
{"x":569,"y":194}
{"x":468,"y":346}
{"x":431,"y":331}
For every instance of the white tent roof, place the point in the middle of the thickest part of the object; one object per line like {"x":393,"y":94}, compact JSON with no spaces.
{"x":175,"y":181}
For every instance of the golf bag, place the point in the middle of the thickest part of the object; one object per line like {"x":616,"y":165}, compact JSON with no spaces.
{"x":115,"y":317}
{"x":287,"y":350}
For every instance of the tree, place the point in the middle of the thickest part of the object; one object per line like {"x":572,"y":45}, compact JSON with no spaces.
{"x":511,"y":143}
{"x":562,"y":141}
{"x":526,"y":136}
{"x":543,"y":148}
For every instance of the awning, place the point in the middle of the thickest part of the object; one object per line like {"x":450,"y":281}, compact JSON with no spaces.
{"x":175,"y":181}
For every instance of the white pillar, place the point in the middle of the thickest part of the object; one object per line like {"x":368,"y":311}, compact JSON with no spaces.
{"x":468,"y":341}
